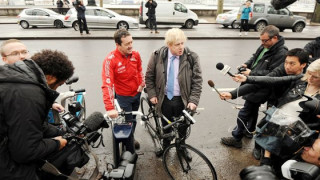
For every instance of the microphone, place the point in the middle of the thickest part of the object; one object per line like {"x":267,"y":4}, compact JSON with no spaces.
{"x":95,"y":121}
{"x":211,"y":84}
{"x":224,"y":69}
{"x":279,"y":4}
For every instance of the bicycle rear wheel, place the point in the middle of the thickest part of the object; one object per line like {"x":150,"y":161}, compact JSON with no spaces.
{"x":199,"y":167}
{"x":152,"y":124}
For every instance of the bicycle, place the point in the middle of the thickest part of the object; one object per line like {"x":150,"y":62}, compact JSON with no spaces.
{"x":123,"y":143}
{"x":177,"y":164}
{"x":75,"y":101}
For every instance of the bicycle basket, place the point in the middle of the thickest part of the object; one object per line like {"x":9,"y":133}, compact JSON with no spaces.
{"x":122,"y":131}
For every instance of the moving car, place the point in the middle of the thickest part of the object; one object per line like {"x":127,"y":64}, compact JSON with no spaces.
{"x":98,"y":17}
{"x":264,"y":14}
{"x":170,"y":13}
{"x":39,"y":17}
{"x":228,"y":19}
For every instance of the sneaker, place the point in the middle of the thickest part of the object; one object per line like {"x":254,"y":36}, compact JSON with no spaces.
{"x":231,"y":141}
{"x":246,"y":33}
{"x":136,"y":144}
{"x":240,"y":34}
{"x":157,"y":32}
{"x":256,"y":153}
{"x":248,"y":135}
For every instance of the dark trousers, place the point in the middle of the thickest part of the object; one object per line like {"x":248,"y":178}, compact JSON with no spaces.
{"x":249,"y":115}
{"x":83,"y":21}
{"x":128,"y":104}
{"x":171,"y":108}
{"x":244,"y":25}
{"x":153,"y":21}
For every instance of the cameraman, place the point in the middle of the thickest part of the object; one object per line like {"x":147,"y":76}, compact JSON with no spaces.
{"x":81,"y":15}
{"x":27,"y":91}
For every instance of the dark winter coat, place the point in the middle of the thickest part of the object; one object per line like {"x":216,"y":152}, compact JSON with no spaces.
{"x":24,"y":103}
{"x":151,"y":7}
{"x":269,"y":61}
{"x":313,"y":49}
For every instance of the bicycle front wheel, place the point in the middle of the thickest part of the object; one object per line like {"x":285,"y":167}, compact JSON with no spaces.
{"x":199,"y":167}
{"x":152,"y":124}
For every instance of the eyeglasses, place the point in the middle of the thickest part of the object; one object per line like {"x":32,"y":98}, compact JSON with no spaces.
{"x":265,"y":40}
{"x":18,"y":53}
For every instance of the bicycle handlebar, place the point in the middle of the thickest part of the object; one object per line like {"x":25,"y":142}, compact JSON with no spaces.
{"x":80,"y":90}
{"x":72,"y":80}
{"x":180,"y":119}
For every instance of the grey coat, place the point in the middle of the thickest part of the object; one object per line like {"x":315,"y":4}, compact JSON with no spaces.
{"x":189,"y":77}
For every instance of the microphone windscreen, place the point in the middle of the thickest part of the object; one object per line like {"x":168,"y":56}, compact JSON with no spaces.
{"x":94,"y":121}
{"x":280,"y":4}
{"x":211,"y":84}
{"x":219,"y":66}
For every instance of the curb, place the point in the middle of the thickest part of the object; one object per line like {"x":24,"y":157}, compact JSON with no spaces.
{"x":143,"y":38}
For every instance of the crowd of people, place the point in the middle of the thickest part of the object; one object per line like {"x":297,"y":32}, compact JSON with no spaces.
{"x":285,"y":79}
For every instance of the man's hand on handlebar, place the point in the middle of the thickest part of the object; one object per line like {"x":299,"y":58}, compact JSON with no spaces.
{"x":192,"y":106}
{"x":225,"y":96}
{"x":58,"y":107}
{"x":239,"y":78}
{"x":154,"y":100}
{"x":113,"y":113}
{"x":63,"y":142}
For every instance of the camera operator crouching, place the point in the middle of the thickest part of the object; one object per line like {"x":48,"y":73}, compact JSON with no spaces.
{"x":27,"y":91}
{"x":304,"y":166}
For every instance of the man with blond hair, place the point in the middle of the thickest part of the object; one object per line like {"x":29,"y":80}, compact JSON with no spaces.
{"x":13,"y":50}
{"x":173,"y":79}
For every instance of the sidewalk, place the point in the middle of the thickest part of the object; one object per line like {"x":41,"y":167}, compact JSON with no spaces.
{"x":207,"y":29}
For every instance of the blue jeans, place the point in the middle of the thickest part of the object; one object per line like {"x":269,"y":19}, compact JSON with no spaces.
{"x":249,"y":115}
{"x":128,"y":104}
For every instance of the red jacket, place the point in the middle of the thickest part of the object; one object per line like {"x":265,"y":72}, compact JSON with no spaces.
{"x":123,"y":73}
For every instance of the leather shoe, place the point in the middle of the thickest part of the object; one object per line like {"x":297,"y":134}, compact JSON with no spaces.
{"x":231,"y":141}
{"x":159,"y":152}
{"x":136,"y":145}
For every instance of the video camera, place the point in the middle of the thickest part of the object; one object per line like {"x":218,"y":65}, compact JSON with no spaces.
{"x":78,"y":136}
{"x":291,"y":169}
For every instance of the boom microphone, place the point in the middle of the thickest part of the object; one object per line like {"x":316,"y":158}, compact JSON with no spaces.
{"x":211,"y":84}
{"x":279,"y":4}
{"x":95,"y":121}
{"x":224,"y":69}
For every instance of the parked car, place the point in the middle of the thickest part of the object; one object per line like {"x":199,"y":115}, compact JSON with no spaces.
{"x":228,"y":19}
{"x":40,"y":17}
{"x":264,"y":14}
{"x":98,"y":17}
{"x":170,"y":13}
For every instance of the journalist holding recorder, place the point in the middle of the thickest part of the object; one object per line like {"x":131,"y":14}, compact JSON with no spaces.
{"x":27,"y":91}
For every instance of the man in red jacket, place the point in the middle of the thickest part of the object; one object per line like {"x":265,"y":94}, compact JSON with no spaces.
{"x":122,"y":76}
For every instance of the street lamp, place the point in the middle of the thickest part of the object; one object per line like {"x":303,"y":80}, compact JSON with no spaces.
{"x":92,"y":3}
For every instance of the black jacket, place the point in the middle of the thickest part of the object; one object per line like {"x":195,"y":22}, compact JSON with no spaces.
{"x":151,"y":7}
{"x":24,"y":103}
{"x":269,"y":61}
{"x":294,"y":90}
{"x":272,"y":97}
{"x":59,"y":4}
{"x":81,"y":11}
{"x":313,"y":48}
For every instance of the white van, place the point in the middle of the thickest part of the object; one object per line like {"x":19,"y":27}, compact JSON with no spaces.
{"x":170,"y":13}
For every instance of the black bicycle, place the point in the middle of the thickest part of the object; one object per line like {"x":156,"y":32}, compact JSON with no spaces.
{"x":177,"y":164}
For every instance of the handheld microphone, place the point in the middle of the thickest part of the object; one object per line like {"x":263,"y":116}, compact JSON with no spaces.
{"x":95,"y":121}
{"x":211,"y":84}
{"x":280,"y":4}
{"x":224,"y":69}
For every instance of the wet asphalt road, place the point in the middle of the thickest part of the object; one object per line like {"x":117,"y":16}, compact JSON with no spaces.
{"x":214,"y":122}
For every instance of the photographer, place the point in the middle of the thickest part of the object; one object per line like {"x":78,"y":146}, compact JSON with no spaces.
{"x":27,"y":91}
{"x":81,"y":15}
{"x":151,"y":5}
